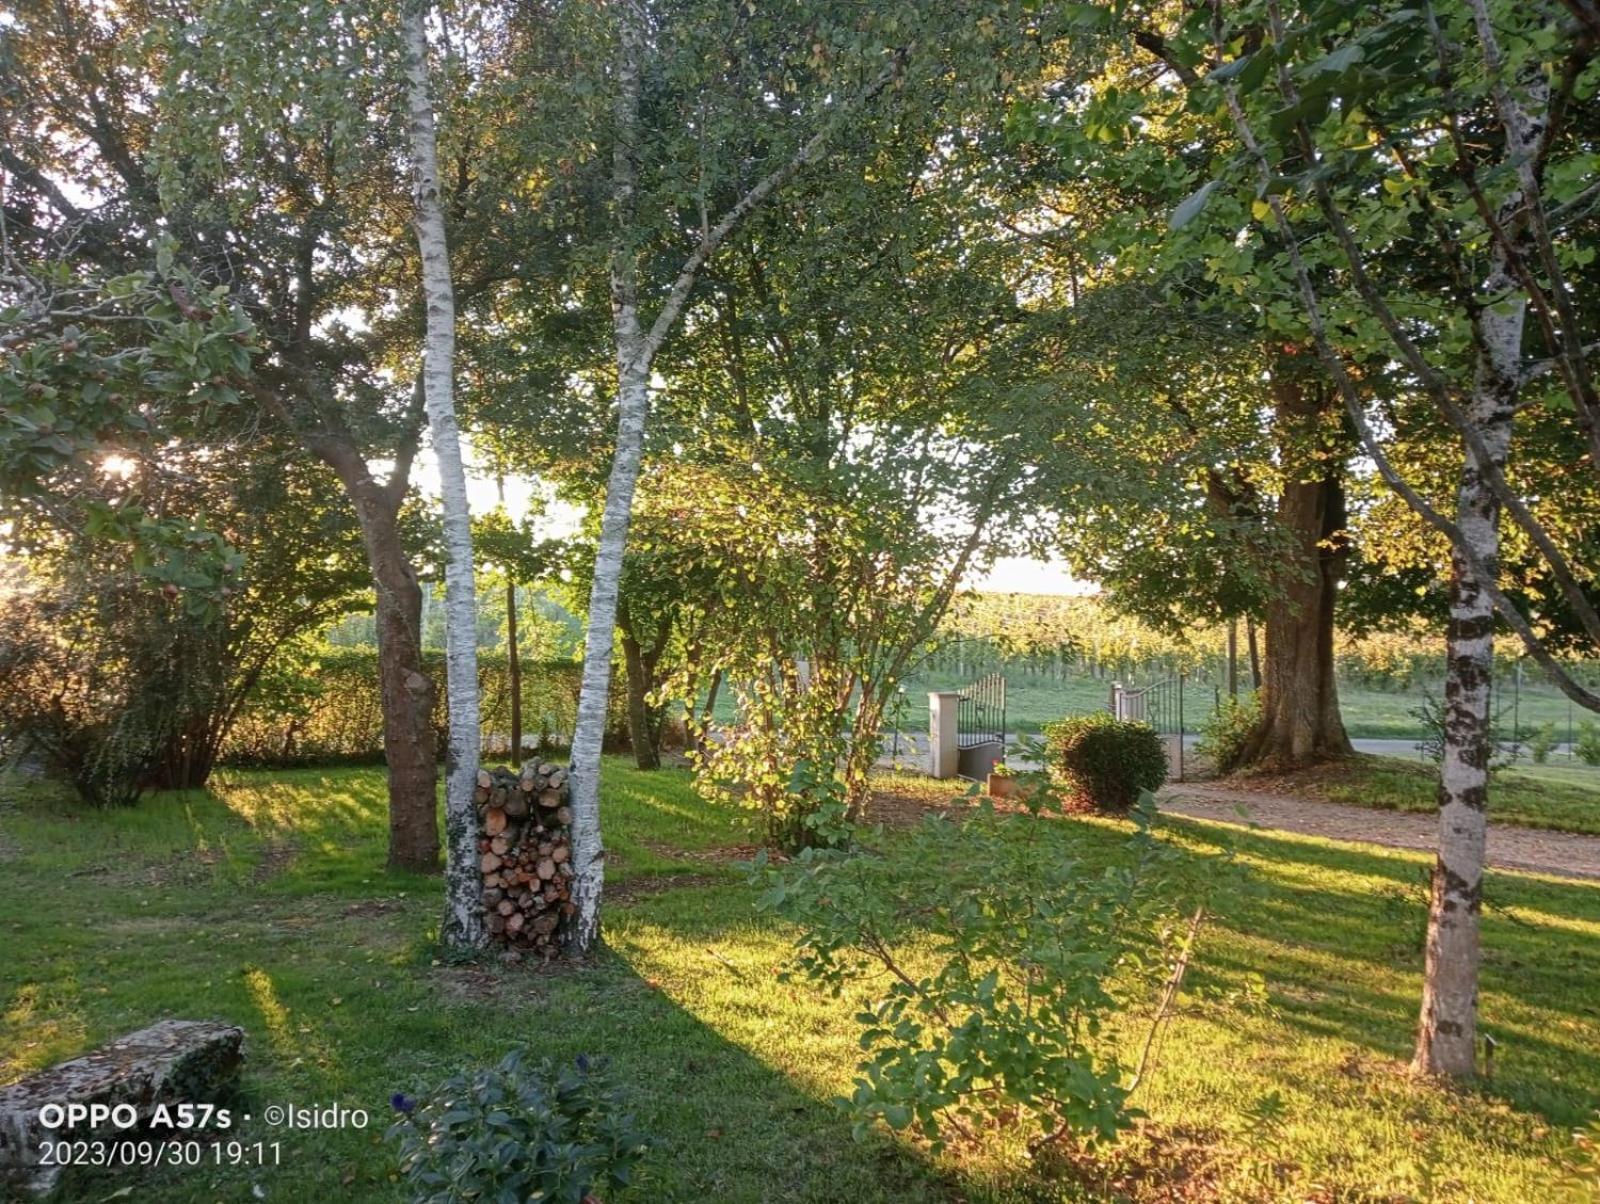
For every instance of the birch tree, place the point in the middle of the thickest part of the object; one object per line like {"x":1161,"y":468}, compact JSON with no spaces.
{"x":463,"y":925}
{"x":1427,"y":179}
{"x":638,"y":336}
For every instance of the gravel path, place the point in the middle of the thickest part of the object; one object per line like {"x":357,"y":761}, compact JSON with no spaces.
{"x":1565,"y":853}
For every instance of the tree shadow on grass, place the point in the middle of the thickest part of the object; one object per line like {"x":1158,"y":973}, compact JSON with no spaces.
{"x":331,"y":970}
{"x":1336,"y":933}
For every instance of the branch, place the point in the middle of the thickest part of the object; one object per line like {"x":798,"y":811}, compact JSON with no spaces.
{"x":1149,"y":40}
{"x":1435,"y":384}
{"x":711,"y":240}
{"x":1537,"y":368}
{"x":1164,"y":1011}
{"x":1369,"y":442}
{"x":406,"y":450}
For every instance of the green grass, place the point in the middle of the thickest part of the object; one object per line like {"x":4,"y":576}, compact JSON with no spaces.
{"x":265,"y":902}
{"x":1532,"y":796}
{"x":1387,"y":714}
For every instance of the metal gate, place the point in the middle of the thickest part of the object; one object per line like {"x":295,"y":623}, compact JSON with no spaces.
{"x":1159,"y":704}
{"x":981,"y":726}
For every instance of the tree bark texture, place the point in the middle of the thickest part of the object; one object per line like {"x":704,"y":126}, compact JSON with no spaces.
{"x":462,"y":927}
{"x":407,"y":692}
{"x":643,"y":732}
{"x":1300,"y":721}
{"x":1447,"y":1030}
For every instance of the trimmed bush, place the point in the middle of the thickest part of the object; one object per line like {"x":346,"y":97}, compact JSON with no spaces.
{"x":1105,"y":762}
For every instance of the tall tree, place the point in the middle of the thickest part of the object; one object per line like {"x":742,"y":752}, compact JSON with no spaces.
{"x":244,"y":134}
{"x":463,"y":924}
{"x":1269,"y":540}
{"x":638,"y":337}
{"x":1427,"y":176}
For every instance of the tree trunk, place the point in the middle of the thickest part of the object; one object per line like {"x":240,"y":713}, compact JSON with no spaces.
{"x":641,"y":732}
{"x":1300,"y":721}
{"x":514,"y":668}
{"x":588,"y":854}
{"x":463,"y":923}
{"x":702,"y":729}
{"x":1255,"y":652}
{"x":407,"y":693}
{"x":1233,"y":658}
{"x":1447,"y":1030}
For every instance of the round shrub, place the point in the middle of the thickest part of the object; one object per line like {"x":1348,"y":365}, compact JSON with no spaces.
{"x":1106,"y":762}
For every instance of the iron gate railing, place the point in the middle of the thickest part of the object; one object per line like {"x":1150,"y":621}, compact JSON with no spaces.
{"x":981,"y":714}
{"x":1159,"y":704}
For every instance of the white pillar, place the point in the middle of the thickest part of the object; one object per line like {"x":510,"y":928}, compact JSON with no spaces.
{"x":944,"y":750}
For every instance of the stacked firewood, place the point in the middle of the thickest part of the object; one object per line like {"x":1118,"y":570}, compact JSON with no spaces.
{"x":525,"y":852}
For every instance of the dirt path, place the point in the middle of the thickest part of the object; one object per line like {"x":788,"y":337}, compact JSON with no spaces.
{"x":1564,"y":853}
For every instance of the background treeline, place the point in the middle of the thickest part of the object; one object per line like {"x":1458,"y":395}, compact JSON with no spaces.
{"x":325,"y":708}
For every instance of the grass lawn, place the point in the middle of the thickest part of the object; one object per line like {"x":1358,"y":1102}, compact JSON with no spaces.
{"x":264,"y":901}
{"x":1387,"y":714}
{"x":1533,"y":796}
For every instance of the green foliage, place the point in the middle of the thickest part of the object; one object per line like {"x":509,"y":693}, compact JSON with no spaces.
{"x":1104,"y":762}
{"x":144,"y":357}
{"x":785,"y":766}
{"x":322,"y":704}
{"x":515,"y":1132}
{"x":1021,"y":947}
{"x":1223,"y":733}
{"x":1542,"y":742}
{"x":1587,"y":745}
{"x":100,"y":673}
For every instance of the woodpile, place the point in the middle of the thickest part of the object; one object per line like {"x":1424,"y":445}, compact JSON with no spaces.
{"x":525,"y":854}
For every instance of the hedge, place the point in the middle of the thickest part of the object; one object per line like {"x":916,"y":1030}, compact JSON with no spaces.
{"x":330,"y":711}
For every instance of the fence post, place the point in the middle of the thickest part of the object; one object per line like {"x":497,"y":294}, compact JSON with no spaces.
{"x":1116,"y":700}
{"x":944,"y":741}
{"x":1180,"y":726}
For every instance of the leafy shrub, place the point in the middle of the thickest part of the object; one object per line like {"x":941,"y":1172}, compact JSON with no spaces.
{"x":514,"y":1132}
{"x":789,"y":769}
{"x":99,"y":672}
{"x":994,"y":949}
{"x":1223,"y":734}
{"x":1542,"y":742}
{"x":1587,"y":745}
{"x":1106,"y":762}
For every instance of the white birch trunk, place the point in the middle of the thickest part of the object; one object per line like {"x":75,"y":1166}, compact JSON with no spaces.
{"x":463,"y":926}
{"x":636,"y":347}
{"x":633,"y":402}
{"x":588,"y":853}
{"x":1447,"y":1032}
